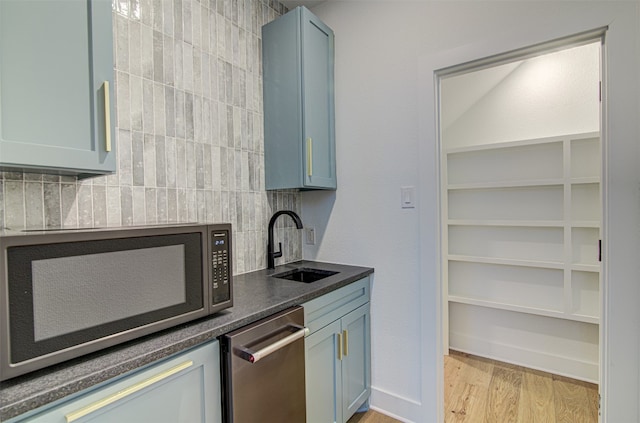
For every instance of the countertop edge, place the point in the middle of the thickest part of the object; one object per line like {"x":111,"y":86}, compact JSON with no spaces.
{"x":64,"y":381}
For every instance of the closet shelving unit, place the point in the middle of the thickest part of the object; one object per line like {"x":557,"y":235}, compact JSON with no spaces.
{"x":521,"y":225}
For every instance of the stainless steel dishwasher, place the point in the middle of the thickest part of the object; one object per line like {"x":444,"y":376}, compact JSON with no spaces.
{"x":263,"y":370}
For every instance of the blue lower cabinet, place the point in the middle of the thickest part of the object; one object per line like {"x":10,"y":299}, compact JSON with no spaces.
{"x":184,"y":388}
{"x":356,"y":368}
{"x":338,"y":355}
{"x":323,"y":375}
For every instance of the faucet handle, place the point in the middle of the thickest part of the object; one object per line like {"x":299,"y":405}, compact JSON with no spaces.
{"x":278,"y":253}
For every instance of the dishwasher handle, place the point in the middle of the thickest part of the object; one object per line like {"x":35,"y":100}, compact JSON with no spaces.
{"x":255,"y":356}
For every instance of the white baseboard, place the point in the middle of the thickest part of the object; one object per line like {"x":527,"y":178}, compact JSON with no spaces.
{"x":557,"y":364}
{"x":400,"y":408}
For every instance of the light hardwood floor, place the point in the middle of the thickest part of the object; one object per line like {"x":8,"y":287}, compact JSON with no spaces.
{"x":482,"y":390}
{"x":479,"y":390}
{"x":371,"y":416}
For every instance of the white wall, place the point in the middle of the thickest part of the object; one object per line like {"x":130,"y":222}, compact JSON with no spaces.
{"x":386,"y":53}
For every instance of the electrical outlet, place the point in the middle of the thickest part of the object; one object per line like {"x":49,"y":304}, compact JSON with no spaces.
{"x":310,"y":236}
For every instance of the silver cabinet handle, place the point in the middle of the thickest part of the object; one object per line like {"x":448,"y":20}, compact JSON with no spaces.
{"x":255,"y":356}
{"x":97,"y":405}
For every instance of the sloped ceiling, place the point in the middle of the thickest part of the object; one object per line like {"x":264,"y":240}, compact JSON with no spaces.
{"x":551,"y":94}
{"x":463,"y":91}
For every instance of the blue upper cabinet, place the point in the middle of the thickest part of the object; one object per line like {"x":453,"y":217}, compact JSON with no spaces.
{"x":299,"y":127}
{"x":56,"y":77}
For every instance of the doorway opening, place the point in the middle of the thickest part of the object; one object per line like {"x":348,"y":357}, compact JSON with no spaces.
{"x":521,"y":205}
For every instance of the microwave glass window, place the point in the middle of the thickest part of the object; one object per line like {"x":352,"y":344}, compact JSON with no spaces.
{"x":80,"y":292}
{"x":69,"y":294}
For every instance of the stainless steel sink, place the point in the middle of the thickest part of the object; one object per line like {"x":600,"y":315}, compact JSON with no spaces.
{"x":305,"y":274}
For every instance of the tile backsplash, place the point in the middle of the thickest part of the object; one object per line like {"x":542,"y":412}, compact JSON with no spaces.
{"x":188,"y":93}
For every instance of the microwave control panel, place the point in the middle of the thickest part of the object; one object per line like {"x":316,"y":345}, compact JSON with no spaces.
{"x":220,"y":266}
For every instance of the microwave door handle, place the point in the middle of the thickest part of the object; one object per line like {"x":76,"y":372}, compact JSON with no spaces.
{"x":255,"y":356}
{"x":123,"y":393}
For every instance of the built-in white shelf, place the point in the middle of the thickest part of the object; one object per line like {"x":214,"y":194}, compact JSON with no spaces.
{"x":585,"y":224}
{"x":508,"y":184}
{"x":592,"y":268}
{"x":508,"y":262}
{"x":521,"y":225}
{"x":526,"y":263}
{"x":527,"y":143}
{"x":578,"y":182}
{"x":534,"y":223}
{"x":524,"y":309}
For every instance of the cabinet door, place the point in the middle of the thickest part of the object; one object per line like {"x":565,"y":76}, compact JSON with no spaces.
{"x":184,"y":389}
{"x":322,"y":375}
{"x":356,"y":362}
{"x":299,"y":128}
{"x":56,"y":56}
{"x":318,"y":98}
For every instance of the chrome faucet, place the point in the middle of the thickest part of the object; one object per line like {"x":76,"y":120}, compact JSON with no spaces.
{"x":271,"y":254}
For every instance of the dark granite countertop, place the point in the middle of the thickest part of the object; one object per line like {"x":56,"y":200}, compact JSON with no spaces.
{"x":256,"y":295}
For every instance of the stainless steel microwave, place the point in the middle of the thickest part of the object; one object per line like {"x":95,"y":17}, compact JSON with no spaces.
{"x":68,"y":293}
